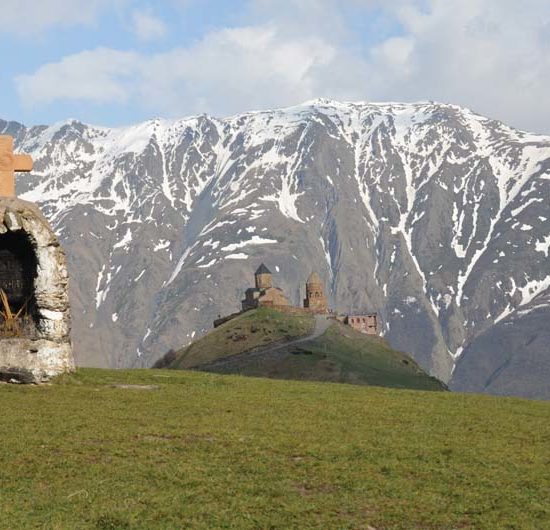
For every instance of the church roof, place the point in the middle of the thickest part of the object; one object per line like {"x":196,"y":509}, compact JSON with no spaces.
{"x":262,"y":269}
{"x":314,"y":278}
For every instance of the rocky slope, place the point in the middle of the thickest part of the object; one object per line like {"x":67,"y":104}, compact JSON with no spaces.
{"x":433,"y":216}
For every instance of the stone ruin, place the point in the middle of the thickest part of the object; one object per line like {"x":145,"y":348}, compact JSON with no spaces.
{"x":34,"y":298}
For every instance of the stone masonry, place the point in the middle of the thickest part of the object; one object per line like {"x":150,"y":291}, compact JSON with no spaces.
{"x":315,"y":294}
{"x":41,"y":348}
{"x":364,"y":323}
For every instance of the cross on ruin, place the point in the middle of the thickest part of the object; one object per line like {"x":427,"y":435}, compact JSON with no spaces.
{"x":9,"y":164}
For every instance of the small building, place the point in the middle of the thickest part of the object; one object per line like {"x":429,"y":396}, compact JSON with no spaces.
{"x":263,"y":294}
{"x":315,"y":299}
{"x":364,"y":323}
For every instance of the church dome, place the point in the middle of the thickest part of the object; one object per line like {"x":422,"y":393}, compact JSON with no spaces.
{"x":262,"y":269}
{"x":314,"y":278}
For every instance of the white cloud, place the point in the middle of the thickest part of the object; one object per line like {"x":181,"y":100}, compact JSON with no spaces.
{"x":228,"y":71}
{"x":146,"y":26}
{"x":29,"y":16}
{"x":236,"y":69}
{"x":98,"y":76}
{"x":490,"y":55}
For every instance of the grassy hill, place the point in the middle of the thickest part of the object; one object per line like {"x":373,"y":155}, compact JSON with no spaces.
{"x":148,"y":449}
{"x":245,"y":332}
{"x":341,"y":354}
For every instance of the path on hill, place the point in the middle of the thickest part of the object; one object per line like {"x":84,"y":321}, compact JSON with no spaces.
{"x":322,"y":323}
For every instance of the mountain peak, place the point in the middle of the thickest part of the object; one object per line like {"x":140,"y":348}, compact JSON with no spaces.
{"x":428,"y":214}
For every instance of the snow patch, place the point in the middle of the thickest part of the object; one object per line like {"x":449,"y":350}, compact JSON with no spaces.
{"x":543,"y":245}
{"x":125,"y":241}
{"x":161,"y":245}
{"x":255,"y":240}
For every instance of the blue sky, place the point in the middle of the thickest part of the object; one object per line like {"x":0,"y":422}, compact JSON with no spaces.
{"x":114,"y":62}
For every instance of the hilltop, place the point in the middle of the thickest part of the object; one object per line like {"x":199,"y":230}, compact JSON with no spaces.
{"x":269,"y":343}
{"x":148,"y":449}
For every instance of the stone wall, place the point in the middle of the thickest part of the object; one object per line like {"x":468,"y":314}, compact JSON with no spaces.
{"x":272,"y":297}
{"x":364,"y":323}
{"x":49,"y":351}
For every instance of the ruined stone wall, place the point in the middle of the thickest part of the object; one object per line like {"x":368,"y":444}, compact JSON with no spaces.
{"x":363,"y":323}
{"x":48,"y":352}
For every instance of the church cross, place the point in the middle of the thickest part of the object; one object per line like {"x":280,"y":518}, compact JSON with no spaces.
{"x":9,"y":164}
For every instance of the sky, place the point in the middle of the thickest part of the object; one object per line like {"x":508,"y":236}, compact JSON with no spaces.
{"x":118,"y":62}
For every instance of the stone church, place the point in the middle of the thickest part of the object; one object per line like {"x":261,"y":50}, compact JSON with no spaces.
{"x":264,"y":294}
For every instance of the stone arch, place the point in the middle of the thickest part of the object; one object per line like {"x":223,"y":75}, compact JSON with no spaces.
{"x":48,"y":352}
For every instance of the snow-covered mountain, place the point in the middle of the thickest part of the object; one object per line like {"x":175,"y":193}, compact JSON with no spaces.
{"x":433,"y":216}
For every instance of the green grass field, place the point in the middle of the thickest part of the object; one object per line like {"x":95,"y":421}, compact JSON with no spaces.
{"x":197,"y":450}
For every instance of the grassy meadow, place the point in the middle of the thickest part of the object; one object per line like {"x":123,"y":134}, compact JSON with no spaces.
{"x":170,"y":449}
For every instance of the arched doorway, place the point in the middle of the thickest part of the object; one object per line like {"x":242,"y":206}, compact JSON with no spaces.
{"x":18,"y":270}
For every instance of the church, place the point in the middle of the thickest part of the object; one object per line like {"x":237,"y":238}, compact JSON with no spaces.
{"x":265,"y":295}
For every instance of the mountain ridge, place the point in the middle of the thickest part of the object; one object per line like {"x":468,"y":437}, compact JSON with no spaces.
{"x":405,"y":208}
